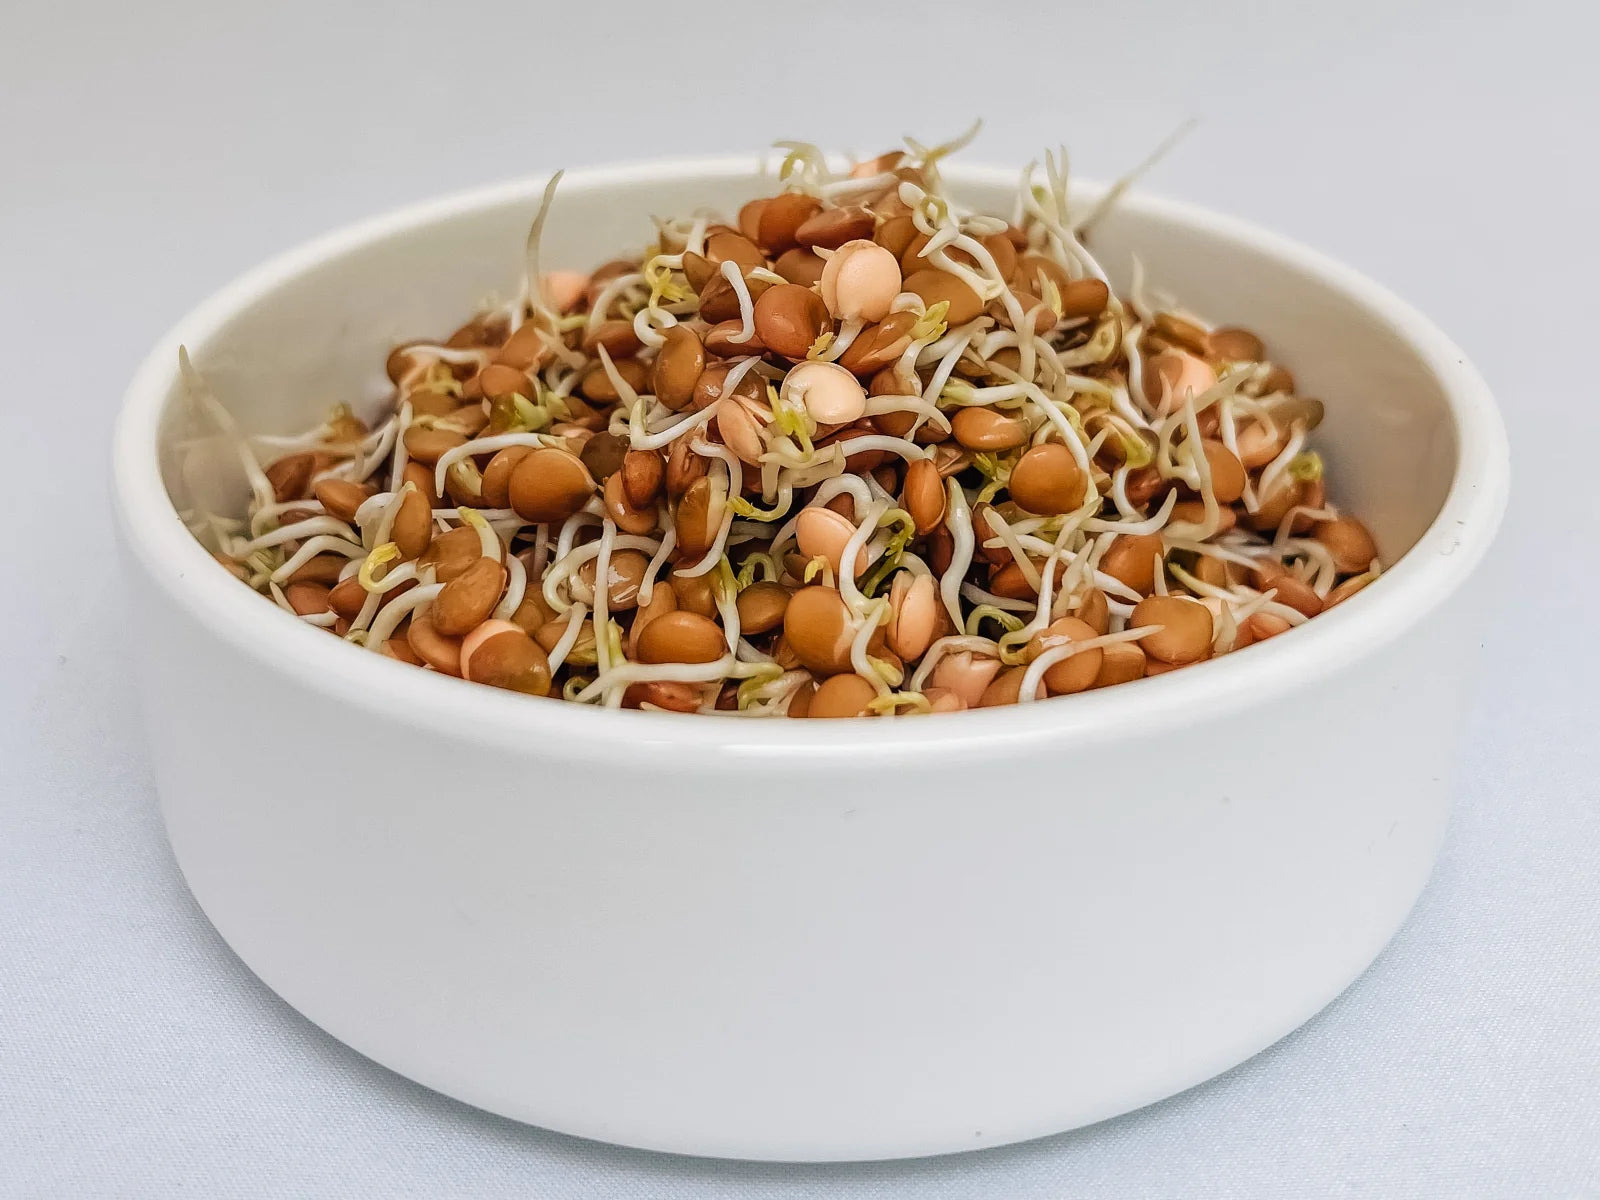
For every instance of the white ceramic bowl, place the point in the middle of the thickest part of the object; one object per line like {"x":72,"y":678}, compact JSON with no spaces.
{"x":808,"y":939}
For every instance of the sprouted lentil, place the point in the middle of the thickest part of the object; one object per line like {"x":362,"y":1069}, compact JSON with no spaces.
{"x":861,"y":453}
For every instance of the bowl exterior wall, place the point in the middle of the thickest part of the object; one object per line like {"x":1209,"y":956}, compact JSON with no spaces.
{"x":714,"y":957}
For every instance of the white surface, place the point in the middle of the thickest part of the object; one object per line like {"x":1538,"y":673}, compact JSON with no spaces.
{"x":709,"y":937}
{"x":150,"y":155}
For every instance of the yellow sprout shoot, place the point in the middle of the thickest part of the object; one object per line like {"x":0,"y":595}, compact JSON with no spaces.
{"x":488,"y":540}
{"x":792,"y":420}
{"x":930,"y":156}
{"x":930,"y":326}
{"x":893,"y":702}
{"x":891,"y":675}
{"x":956,"y":392}
{"x":749,"y":511}
{"x":529,"y":415}
{"x":996,"y":470}
{"x":1052,"y":296}
{"x":1136,"y":451}
{"x":1306,"y":468}
{"x":723,"y":578}
{"x":376,"y":565}
{"x":819,"y":565}
{"x":893,"y":552}
{"x":765,"y":674}
{"x":662,"y":285}
{"x":557,"y":406}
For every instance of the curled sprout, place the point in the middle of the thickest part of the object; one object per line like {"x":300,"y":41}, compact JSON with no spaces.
{"x":980,"y":613}
{"x":905,"y":529}
{"x":376,"y":565}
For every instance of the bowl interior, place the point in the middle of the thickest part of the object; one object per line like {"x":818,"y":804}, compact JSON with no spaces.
{"x":320,"y":336}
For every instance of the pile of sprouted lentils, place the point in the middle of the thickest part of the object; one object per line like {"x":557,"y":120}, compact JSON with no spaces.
{"x":861,"y":452}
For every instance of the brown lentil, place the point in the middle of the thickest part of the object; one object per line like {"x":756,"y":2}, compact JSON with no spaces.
{"x":779,"y":220}
{"x":833,"y":227}
{"x":346,"y":597}
{"x":624,"y":574}
{"x":501,"y":655}
{"x":341,"y":498}
{"x":450,"y":554}
{"x":683,"y":467}
{"x":496,"y":484}
{"x":708,"y":388}
{"x":291,"y":476}
{"x":879,"y":346}
{"x":440,"y":652}
{"x":1120,"y":662}
{"x":498,"y":380}
{"x":307,"y":598}
{"x":1005,"y":689}
{"x":789,"y":319}
{"x":549,"y":485}
{"x":1348,"y":543}
{"x":596,"y":384}
{"x":664,"y":693}
{"x":1345,"y":590}
{"x":816,"y":626}
{"x":1075,"y":672}
{"x":469,"y":598}
{"x":1047,"y":480}
{"x":429,"y":445}
{"x":1233,"y":344}
{"x":1185,"y":634}
{"x":842,"y":695}
{"x":638,"y":521}
{"x":419,"y":477}
{"x":729,"y":340}
{"x":1292,"y":590}
{"x":1227,"y":472}
{"x":681,"y":637}
{"x":413,"y":524}
{"x":524,"y":349}
{"x":602,"y":455}
{"x":1094,"y":611}
{"x":987,"y":429}
{"x":934,"y":287}
{"x":696,"y":518}
{"x":678,"y":365}
{"x":924,"y":496}
{"x":1131,"y":560}
{"x":617,"y":337}
{"x":800,"y":266}
{"x":761,"y":607}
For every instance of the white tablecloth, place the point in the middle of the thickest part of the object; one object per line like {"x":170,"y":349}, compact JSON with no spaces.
{"x":149,"y":152}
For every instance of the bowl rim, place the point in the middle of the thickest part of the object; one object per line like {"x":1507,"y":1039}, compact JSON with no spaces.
{"x":1423,"y":579}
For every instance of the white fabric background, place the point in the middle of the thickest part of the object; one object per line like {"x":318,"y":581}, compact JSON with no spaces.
{"x":150,"y":152}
